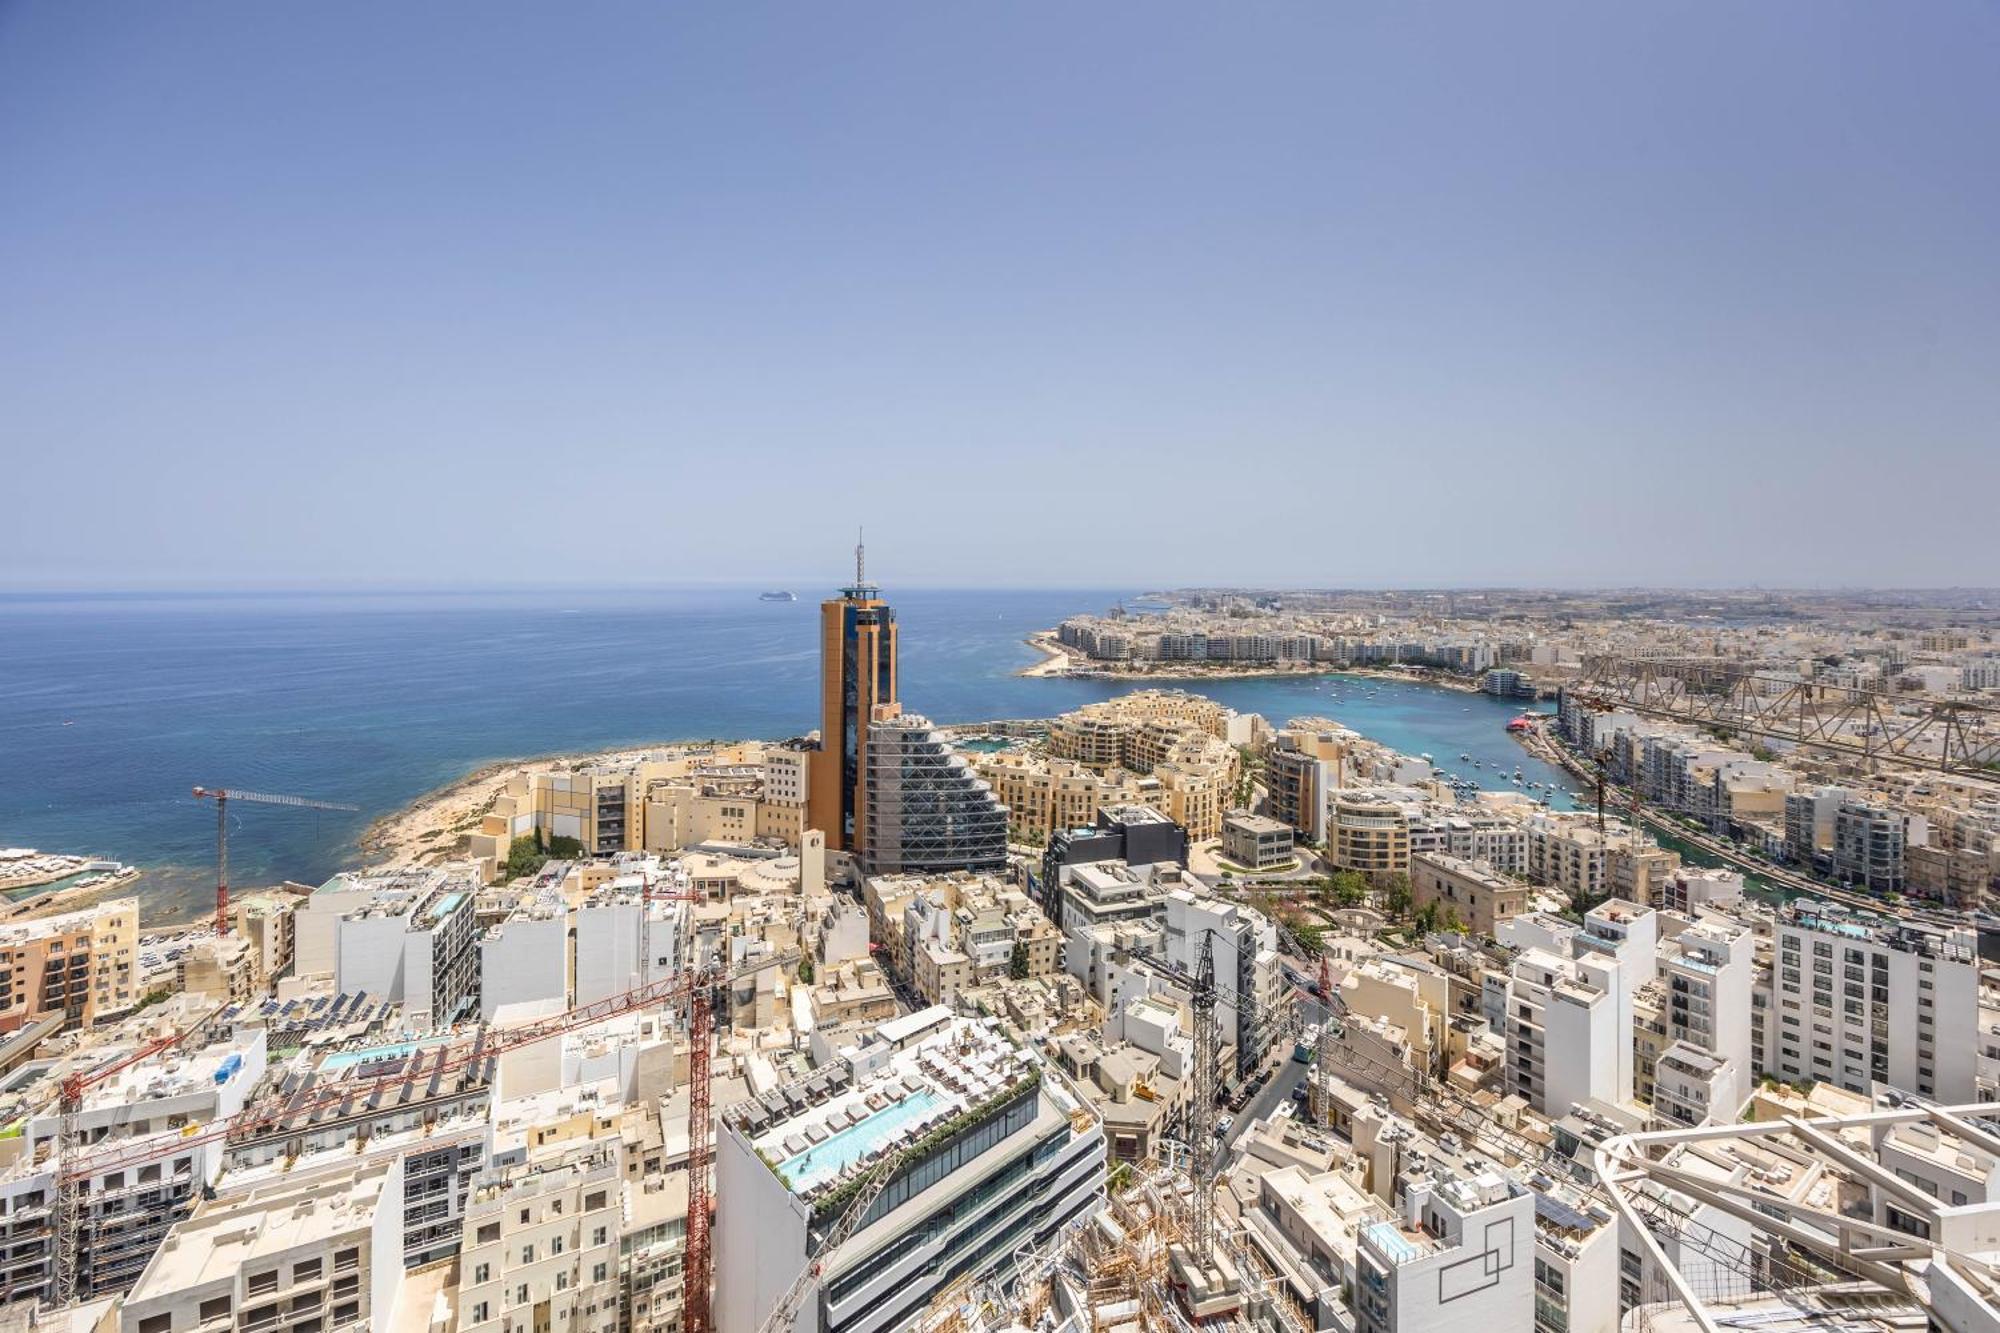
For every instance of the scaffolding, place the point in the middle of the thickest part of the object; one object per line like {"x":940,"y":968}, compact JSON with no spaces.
{"x":1807,"y":1257}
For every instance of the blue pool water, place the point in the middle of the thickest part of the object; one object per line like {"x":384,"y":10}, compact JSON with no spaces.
{"x":825,"y":1160}
{"x":1392,"y":1242}
{"x":342,"y":1059}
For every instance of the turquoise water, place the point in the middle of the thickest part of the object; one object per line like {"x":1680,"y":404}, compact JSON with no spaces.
{"x":112,"y":707}
{"x":343,"y":1059}
{"x":1392,"y":1242}
{"x":824,"y":1160}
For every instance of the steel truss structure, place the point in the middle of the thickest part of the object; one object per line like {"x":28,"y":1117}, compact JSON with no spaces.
{"x":1951,"y":736}
{"x":1940,"y":1272}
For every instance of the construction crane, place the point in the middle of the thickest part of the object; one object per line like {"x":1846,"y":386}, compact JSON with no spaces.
{"x":696,"y":1261}
{"x":483,"y":1047}
{"x":69,"y":1184}
{"x":222,"y":796}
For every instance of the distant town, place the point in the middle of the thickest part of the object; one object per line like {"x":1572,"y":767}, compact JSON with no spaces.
{"x":1152,"y":1015}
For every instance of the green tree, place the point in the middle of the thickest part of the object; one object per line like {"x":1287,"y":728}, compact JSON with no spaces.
{"x":1350,"y":888}
{"x":1311,"y":938}
{"x":806,"y":969}
{"x":565,"y":848}
{"x":1017,"y":962}
{"x":525,"y":855}
{"x":1398,"y":892}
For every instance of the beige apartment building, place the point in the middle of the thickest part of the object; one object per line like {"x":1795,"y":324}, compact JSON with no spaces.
{"x":1044,"y":795}
{"x":734,"y":794}
{"x":1480,"y":895}
{"x":1369,"y":834}
{"x":81,"y":964}
{"x":1178,"y":745}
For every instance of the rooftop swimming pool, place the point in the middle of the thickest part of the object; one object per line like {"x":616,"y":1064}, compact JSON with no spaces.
{"x":823,"y":1161}
{"x":396,"y":1050}
{"x":1389,"y":1239}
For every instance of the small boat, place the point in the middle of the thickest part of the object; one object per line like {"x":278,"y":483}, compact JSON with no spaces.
{"x":776,"y":597}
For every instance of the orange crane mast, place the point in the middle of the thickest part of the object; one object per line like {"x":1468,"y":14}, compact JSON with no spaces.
{"x":222,"y":796}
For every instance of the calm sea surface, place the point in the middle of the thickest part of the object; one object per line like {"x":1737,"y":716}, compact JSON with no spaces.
{"x":111,"y":708}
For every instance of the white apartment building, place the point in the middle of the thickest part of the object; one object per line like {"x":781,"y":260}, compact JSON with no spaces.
{"x":1014,"y":1157}
{"x":541,"y":1243}
{"x":404,"y":935}
{"x":129,"y":1208}
{"x":439,"y":1134}
{"x":1559,"y":1018}
{"x":785,"y":775}
{"x":1250,"y":988}
{"x":289,"y":1258}
{"x":1862,"y":999}
{"x":1462,"y":1257}
{"x":525,"y":959}
{"x":1500,"y":842}
{"x":1708,"y":971}
{"x":624,"y":942}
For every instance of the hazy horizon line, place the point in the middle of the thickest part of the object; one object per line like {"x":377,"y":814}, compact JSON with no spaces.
{"x":110,"y":589}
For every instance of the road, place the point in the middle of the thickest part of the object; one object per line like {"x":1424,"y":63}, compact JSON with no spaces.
{"x":1290,"y":1075}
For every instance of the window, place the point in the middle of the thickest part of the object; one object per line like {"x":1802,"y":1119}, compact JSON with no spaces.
{"x":306,"y":1271}
{"x":527,"y":1254}
{"x":555,"y":1244}
{"x":482,"y":1273}
{"x":263,"y":1284}
{"x":346,"y":1261}
{"x":481,"y":1313}
{"x":489,"y":1233}
{"x":215,"y":1308}
{"x":158,"y":1323}
{"x":348,"y":1313}
{"x":521,"y":1294}
{"x":562,"y":1281}
{"x":524,"y":1217}
{"x":598,"y":1273}
{"x":594,"y":1201}
{"x":599,"y":1236}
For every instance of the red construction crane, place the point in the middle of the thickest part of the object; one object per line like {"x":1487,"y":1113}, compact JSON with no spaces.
{"x":481,"y":1047}
{"x":696,"y":1262}
{"x":222,"y":797}
{"x":69,"y":1184}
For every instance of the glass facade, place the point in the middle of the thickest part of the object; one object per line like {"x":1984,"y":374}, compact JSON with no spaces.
{"x":927,"y":810}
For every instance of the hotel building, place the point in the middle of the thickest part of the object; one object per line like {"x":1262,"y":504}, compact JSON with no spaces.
{"x":857,"y":673}
{"x":1004,"y":1155}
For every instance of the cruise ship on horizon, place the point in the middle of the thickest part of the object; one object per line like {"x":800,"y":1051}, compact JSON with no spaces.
{"x":776,"y":597}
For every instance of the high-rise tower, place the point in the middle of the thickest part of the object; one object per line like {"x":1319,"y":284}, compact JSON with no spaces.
{"x":857,"y":682}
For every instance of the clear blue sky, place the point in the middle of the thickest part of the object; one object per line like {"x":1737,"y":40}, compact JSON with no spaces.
{"x":1318,"y":293}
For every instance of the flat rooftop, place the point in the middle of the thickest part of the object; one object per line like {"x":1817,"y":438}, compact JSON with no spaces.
{"x":222,"y":1239}
{"x":833,"y":1127}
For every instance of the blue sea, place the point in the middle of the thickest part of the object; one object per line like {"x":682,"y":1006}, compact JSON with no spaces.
{"x":112,"y":707}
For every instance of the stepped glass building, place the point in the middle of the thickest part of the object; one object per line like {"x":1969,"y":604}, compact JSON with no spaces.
{"x":884,"y":785}
{"x":927,"y":810}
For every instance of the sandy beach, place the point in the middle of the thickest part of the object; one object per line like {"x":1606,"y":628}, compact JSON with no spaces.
{"x":437,"y":825}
